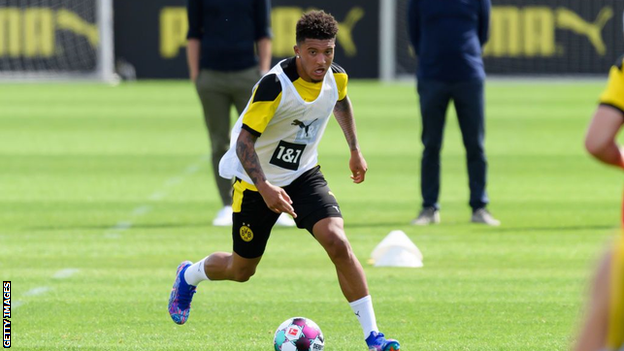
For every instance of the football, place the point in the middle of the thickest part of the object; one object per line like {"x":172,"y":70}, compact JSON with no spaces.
{"x":298,"y":334}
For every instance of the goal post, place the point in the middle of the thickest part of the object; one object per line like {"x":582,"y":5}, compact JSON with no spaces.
{"x":44,"y":40}
{"x":387,"y":36}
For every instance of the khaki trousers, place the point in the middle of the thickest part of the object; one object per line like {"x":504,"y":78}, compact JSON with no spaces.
{"x":218,"y":92}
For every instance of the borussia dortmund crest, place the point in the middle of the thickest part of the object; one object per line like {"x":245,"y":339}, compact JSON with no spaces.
{"x":246,"y":233}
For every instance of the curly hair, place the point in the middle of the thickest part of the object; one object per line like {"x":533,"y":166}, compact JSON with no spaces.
{"x":316,"y":25}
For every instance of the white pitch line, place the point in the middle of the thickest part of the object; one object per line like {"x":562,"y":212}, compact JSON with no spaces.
{"x":123,"y":225}
{"x":114,"y":232}
{"x":62,"y":274}
{"x":37,"y":291}
{"x":141,"y":210}
{"x":157,"y":196}
{"x":112,"y":235}
{"x":192,"y":169}
{"x":65,"y":273}
{"x":174,"y":181}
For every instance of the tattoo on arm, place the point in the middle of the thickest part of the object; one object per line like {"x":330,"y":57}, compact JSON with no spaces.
{"x":344,"y":115}
{"x":246,"y":152}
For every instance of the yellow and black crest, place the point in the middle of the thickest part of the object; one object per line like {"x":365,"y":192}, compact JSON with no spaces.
{"x":246,"y":233}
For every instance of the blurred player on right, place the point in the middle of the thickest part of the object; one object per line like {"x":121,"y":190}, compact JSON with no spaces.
{"x":603,"y":328}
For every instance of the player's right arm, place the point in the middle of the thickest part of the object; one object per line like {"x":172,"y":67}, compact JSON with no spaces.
{"x":600,"y":140}
{"x":275,"y":197}
{"x":266,"y":98}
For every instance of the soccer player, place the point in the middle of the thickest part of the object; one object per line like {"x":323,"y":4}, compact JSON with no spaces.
{"x":273,"y":159}
{"x":603,"y":329}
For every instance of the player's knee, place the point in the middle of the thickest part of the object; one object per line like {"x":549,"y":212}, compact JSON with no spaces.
{"x":338,"y":247}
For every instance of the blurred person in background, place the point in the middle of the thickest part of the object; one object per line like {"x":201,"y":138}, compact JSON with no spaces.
{"x":448,"y":37}
{"x":228,"y":50}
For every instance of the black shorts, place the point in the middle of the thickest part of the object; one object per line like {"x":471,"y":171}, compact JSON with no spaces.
{"x":253,"y":220}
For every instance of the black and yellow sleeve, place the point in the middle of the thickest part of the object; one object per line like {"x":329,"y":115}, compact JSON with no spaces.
{"x":613,"y":95}
{"x":265,"y":100}
{"x":341,"y":77}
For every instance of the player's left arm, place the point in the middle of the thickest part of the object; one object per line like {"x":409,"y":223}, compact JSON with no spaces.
{"x":343,"y":111}
{"x":601,"y":138}
{"x":344,"y":115}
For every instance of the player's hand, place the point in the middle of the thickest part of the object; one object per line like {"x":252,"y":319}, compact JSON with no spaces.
{"x":276,"y":199}
{"x":358,"y":167}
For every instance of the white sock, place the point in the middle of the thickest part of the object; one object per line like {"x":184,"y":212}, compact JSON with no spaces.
{"x":363,"y":309}
{"x":195,"y":273}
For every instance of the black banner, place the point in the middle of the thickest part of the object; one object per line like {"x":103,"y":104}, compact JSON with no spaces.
{"x":543,"y":37}
{"x":154,"y":42}
{"x":151,"y":36}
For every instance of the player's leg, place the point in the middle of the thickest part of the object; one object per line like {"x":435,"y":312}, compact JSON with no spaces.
{"x":615,"y":336}
{"x":434,"y":99}
{"x":251,"y":229}
{"x":331,"y":235}
{"x":252,"y":223}
{"x":213,"y":90}
{"x":319,"y":212}
{"x":593,"y":333}
{"x":329,"y":232}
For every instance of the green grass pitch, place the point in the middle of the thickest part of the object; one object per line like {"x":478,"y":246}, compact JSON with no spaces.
{"x":104,"y":190}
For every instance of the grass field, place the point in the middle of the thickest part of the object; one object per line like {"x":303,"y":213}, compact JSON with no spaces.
{"x":104,"y":190}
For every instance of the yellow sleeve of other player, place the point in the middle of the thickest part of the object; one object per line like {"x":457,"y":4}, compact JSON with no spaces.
{"x":614,"y":93}
{"x":264,"y":102}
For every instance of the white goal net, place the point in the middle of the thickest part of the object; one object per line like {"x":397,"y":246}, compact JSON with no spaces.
{"x":56,"y":40}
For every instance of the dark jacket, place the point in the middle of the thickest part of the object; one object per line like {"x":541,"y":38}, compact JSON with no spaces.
{"x":228,"y":31}
{"x":448,"y":37}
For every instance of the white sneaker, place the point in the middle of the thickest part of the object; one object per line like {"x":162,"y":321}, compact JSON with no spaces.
{"x":284,"y":220}
{"x":223,"y":218}
{"x":428,"y":215}
{"x":482,"y":215}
